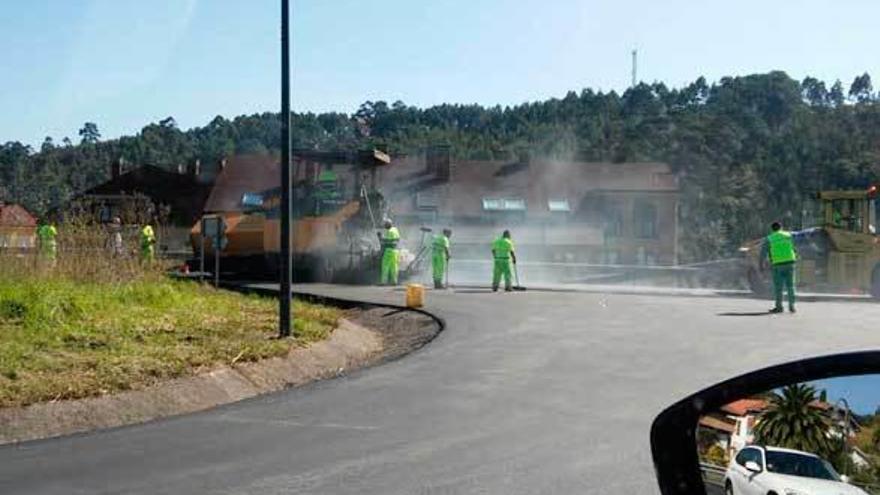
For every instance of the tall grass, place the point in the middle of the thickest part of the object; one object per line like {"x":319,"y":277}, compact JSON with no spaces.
{"x":94,"y":323}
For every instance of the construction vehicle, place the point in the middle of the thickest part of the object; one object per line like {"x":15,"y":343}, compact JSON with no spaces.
{"x":337,"y":212}
{"x":840,"y":255}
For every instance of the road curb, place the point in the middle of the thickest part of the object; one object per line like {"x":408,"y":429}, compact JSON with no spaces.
{"x":351,"y":347}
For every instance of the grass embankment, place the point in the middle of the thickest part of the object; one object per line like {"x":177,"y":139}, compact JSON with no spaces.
{"x":66,"y":336}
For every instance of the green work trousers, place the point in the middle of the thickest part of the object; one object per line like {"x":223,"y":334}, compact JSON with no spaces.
{"x":783,"y":276}
{"x":438,"y":263}
{"x":389,"y":267}
{"x":148,"y":253}
{"x":501,"y":268}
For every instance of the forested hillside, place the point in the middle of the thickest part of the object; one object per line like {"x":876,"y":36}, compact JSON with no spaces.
{"x":750,"y":149}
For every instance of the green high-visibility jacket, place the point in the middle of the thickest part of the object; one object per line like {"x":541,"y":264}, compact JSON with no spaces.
{"x":390,"y":238}
{"x":148,"y":237}
{"x":440,"y":245}
{"x":47,"y":234}
{"x":781,"y":248}
{"x":501,"y":248}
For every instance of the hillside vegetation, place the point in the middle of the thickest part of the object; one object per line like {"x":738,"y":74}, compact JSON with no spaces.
{"x":751,"y":149}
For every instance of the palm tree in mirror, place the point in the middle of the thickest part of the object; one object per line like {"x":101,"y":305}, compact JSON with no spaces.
{"x":790,"y":421}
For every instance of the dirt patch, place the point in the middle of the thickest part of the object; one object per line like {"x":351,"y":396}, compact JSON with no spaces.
{"x":401,"y":331}
{"x":364,"y":337}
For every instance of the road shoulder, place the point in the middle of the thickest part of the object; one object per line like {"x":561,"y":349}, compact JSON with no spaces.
{"x":364,"y":337}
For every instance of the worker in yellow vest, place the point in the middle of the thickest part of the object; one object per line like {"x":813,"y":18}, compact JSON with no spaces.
{"x":47,"y":236}
{"x":783,"y":256}
{"x":440,"y":257}
{"x":148,"y":243}
{"x":390,"y":255}
{"x":502,"y":254}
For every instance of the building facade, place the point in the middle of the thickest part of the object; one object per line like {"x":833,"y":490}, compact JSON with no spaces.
{"x":558,"y":211}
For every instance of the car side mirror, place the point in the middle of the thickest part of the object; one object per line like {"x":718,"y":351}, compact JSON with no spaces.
{"x":696,"y":442}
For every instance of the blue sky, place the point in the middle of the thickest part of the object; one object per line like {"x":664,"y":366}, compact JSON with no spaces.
{"x":125,"y":63}
{"x":861,"y":392}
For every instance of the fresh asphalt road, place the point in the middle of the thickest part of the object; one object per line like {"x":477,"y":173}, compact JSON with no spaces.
{"x":529,"y":392}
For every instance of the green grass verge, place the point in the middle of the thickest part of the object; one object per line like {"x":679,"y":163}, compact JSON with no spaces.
{"x":61,"y":339}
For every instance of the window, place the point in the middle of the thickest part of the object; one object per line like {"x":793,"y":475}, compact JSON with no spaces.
{"x":806,"y":466}
{"x":515,"y":204}
{"x":504,"y":204}
{"x":427,"y":200}
{"x":846,"y":214}
{"x":493,"y":204}
{"x":613,"y":222}
{"x":750,"y":454}
{"x":645,"y":220}
{"x":558,"y":205}
{"x":251,"y":200}
{"x":426,"y":216}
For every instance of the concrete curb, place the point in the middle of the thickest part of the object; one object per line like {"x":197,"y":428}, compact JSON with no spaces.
{"x":349,"y":347}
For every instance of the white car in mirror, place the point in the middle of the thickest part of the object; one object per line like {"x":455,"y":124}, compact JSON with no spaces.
{"x":760,"y":470}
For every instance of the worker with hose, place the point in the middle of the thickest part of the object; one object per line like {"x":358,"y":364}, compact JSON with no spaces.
{"x":389,"y":240}
{"x":440,"y":257}
{"x":503,"y":254}
{"x":782,"y":255}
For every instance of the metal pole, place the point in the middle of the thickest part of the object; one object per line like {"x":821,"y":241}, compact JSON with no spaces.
{"x":202,"y":255}
{"x":284,"y":305}
{"x":217,"y":261}
{"x":845,"y":433}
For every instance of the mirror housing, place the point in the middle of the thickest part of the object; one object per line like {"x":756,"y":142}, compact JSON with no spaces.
{"x":844,"y":478}
{"x":753,"y":467}
{"x":673,"y":432}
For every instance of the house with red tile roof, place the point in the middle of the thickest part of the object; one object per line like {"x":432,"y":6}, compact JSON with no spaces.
{"x":18,"y":227}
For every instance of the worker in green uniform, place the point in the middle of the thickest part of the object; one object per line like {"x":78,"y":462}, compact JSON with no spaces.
{"x":502,"y":254}
{"x":389,"y":240}
{"x":148,"y":243}
{"x":440,"y":257}
{"x":327,"y":185}
{"x":47,"y":236}
{"x":783,"y":257}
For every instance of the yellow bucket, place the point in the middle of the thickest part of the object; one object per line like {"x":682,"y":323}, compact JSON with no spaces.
{"x":415,"y":295}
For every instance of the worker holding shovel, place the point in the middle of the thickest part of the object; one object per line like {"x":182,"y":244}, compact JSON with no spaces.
{"x":440,"y":257}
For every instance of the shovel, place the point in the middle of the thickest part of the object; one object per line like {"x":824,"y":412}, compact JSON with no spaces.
{"x":517,"y":287}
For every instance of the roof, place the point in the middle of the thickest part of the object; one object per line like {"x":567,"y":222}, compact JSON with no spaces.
{"x":13,"y":215}
{"x":183,"y":192}
{"x":742,"y":407}
{"x":717,"y":424}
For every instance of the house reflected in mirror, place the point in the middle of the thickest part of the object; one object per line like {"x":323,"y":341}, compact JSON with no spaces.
{"x":813,"y":438}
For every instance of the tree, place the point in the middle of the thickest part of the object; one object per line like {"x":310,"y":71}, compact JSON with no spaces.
{"x":792,"y":422}
{"x":861,"y":88}
{"x":89,"y":133}
{"x":835,"y":94}
{"x":48,"y":145}
{"x":814,"y":91}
